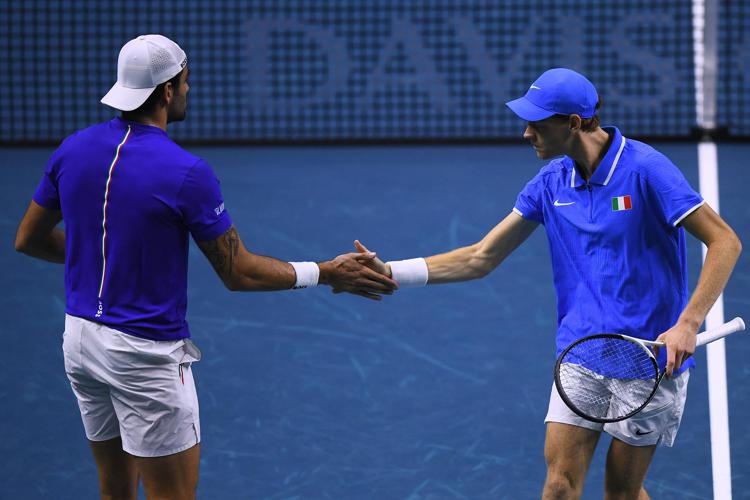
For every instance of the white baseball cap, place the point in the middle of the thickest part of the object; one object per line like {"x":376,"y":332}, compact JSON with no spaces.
{"x":144,"y":63}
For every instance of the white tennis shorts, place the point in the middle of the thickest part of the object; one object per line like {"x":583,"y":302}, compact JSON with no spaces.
{"x":656,"y":424}
{"x":141,"y":390}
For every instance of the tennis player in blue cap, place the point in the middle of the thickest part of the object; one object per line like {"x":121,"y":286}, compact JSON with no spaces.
{"x":130,"y":198}
{"x":615,"y":212}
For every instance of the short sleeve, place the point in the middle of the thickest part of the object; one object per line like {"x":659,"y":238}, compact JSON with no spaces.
{"x":201,"y":204}
{"x":674,"y":196}
{"x":47,"y":194}
{"x":529,"y":202}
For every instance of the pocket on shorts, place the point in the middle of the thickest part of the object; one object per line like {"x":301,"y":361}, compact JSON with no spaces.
{"x":658,"y":408}
{"x":187,"y":353}
{"x":648,"y":425}
{"x":662,"y":401}
{"x":192,"y":353}
{"x":71,"y":343}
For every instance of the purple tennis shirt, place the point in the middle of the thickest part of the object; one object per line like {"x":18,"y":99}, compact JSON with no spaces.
{"x":129,"y":197}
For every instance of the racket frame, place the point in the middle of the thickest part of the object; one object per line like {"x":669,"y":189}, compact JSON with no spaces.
{"x":643,"y":344}
{"x":735,"y":325}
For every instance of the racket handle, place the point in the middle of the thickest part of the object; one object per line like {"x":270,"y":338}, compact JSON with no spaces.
{"x":736,"y":325}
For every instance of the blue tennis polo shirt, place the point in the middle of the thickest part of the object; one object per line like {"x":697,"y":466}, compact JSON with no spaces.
{"x":618,"y":251}
{"x":130,"y":197}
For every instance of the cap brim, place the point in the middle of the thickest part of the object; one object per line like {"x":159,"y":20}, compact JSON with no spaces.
{"x":126,"y":99}
{"x":528,"y":110}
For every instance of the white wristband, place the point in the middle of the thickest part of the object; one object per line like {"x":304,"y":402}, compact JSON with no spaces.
{"x":307,"y":274}
{"x":412,"y":272}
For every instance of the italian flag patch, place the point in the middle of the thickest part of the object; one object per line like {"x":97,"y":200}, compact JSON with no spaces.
{"x":621,"y":203}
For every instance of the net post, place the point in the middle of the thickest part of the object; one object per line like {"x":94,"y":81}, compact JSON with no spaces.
{"x":706,"y":67}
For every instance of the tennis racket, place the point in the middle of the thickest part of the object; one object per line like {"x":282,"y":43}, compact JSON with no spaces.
{"x":610,"y":377}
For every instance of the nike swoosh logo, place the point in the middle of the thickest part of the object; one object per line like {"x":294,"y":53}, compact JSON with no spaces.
{"x":558,"y":204}
{"x":535,"y":87}
{"x":639,"y":433}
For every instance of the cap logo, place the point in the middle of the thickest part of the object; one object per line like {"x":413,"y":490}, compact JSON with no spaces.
{"x":183,"y":63}
{"x":535,"y":87}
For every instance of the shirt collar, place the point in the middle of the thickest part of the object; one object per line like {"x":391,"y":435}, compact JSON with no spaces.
{"x":606,"y":167}
{"x":142,"y":127}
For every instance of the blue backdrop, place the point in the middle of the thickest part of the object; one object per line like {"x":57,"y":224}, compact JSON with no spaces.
{"x":367,"y":69}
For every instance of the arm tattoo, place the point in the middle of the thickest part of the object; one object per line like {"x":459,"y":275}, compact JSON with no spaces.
{"x":222,"y":252}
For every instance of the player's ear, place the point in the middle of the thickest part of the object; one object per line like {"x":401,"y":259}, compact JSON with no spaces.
{"x":168,"y":92}
{"x":574,"y":122}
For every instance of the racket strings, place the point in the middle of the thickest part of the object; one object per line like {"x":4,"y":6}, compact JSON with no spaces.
{"x":607,"y":377}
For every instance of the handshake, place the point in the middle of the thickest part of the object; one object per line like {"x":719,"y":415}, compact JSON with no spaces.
{"x":360,"y":273}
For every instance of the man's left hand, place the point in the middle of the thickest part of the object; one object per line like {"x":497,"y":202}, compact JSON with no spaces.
{"x":680,"y":345}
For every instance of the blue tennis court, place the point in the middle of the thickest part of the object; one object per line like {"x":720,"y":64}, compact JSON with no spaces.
{"x":434,"y":393}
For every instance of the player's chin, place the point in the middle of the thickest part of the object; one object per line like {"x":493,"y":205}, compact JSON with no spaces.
{"x":546,"y":154}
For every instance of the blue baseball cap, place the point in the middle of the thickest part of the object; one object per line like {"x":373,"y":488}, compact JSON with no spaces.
{"x":558,"y":91}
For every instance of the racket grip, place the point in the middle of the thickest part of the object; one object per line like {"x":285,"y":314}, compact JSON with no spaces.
{"x":736,"y":325}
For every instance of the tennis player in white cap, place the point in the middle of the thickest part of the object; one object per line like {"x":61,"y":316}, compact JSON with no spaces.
{"x":131,"y":197}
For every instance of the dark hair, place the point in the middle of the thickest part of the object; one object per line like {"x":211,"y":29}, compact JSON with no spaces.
{"x":150,"y":105}
{"x":588,"y":124}
{"x":591,"y":124}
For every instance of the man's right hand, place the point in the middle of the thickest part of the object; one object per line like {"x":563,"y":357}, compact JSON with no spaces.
{"x":373,"y":263}
{"x":360,"y":274}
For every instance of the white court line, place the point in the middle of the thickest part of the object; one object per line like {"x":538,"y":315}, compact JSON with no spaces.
{"x":715,"y":352}
{"x":705,"y":58}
